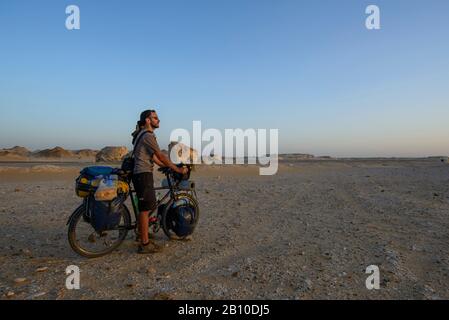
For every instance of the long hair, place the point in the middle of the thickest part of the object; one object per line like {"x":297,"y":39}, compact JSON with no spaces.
{"x":139,"y":127}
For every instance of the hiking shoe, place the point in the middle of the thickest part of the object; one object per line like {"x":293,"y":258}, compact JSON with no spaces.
{"x":187,"y":238}
{"x":151,"y":247}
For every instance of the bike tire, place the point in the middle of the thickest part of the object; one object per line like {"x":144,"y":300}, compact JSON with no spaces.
{"x":77,"y":216}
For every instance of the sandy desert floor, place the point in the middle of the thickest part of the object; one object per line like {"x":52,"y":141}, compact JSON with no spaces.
{"x":308,"y":232}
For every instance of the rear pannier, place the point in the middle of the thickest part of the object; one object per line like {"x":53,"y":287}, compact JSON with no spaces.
{"x":105,"y":193}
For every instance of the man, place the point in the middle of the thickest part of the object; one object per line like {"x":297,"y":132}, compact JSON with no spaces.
{"x":146,"y":153}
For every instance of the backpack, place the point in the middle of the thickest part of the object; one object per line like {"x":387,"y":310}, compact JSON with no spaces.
{"x":128,"y":162}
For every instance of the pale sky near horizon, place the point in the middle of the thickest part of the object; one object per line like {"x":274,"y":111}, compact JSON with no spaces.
{"x":309,"y":68}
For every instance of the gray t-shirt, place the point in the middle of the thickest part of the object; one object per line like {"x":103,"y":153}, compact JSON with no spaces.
{"x":143,"y":152}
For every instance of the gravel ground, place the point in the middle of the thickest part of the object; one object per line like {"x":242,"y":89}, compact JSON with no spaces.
{"x":309,"y":232}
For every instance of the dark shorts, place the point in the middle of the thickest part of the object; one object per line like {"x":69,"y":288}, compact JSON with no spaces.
{"x":143,"y":183}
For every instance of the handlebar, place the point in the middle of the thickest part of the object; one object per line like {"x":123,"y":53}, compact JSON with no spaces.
{"x":165,"y":170}
{"x":177,"y":176}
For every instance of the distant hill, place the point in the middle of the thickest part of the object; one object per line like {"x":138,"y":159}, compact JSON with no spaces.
{"x":15,"y":152}
{"x":86,"y":153}
{"x":18,"y":153}
{"x":116,"y":154}
{"x":296,"y":156}
{"x":56,"y":152}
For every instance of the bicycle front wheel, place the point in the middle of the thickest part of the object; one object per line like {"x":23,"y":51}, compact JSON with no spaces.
{"x":167,"y":222}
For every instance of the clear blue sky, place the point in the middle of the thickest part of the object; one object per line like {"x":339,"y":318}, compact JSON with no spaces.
{"x":309,"y":68}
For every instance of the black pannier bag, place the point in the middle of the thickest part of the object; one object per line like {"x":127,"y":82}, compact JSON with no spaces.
{"x":182,"y":218}
{"x":105,"y":215}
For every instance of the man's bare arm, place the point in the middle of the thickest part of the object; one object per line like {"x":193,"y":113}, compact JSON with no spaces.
{"x":157,"y":161}
{"x":165,"y":161}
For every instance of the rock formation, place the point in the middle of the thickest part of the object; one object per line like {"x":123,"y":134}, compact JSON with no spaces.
{"x":179,"y":152}
{"x":111,"y":154}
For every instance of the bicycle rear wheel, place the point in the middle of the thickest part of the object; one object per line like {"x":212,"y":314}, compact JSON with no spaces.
{"x":89,"y":243}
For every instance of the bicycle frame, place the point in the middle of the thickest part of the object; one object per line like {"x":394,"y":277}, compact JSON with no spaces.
{"x":136,"y":211}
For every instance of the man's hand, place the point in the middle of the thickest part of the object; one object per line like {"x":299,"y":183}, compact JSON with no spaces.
{"x":182,"y":170}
